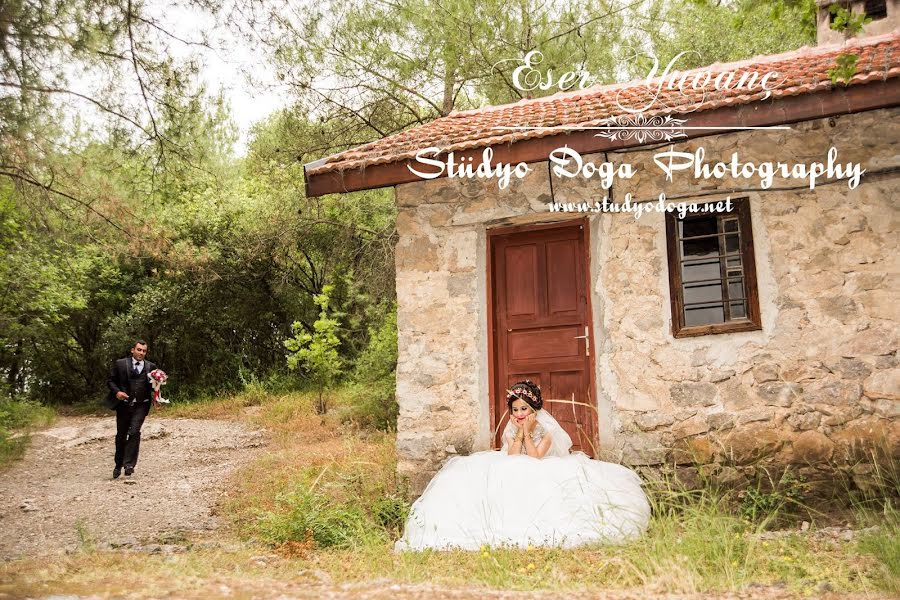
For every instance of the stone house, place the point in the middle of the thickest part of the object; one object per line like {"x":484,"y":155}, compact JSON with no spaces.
{"x":718,"y":341}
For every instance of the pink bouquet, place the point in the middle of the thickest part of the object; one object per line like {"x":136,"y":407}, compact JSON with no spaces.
{"x":158,"y":379}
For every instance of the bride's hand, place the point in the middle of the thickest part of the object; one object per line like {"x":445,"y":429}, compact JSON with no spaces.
{"x":529,"y":424}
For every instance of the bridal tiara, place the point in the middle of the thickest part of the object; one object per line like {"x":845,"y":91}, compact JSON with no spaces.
{"x":519,"y":390}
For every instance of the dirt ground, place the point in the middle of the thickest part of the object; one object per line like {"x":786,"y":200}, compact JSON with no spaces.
{"x":62,"y":492}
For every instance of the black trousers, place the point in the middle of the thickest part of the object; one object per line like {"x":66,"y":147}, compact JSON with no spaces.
{"x":129,"y":420}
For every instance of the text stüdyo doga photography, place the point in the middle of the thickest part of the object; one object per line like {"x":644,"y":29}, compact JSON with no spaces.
{"x":449,"y":299}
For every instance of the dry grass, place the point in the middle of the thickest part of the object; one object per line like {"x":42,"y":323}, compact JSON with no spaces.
{"x":201,"y":573}
{"x":193,"y":574}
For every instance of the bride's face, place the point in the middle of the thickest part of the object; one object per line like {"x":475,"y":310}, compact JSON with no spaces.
{"x":520,"y":410}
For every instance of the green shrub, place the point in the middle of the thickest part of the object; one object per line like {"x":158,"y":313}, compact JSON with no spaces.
{"x":390,"y":513}
{"x":846,"y":21}
{"x":373,"y":405}
{"x":372,"y":395}
{"x":771,"y":499}
{"x":21,"y":414}
{"x":379,"y":359}
{"x":317,"y":352}
{"x":17,"y":417}
{"x":305,"y":515}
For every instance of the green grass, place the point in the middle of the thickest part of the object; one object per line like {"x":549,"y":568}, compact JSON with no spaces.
{"x":884,"y":546}
{"x":17,"y":419}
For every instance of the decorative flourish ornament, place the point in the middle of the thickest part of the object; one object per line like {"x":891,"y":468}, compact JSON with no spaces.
{"x":643,"y":128}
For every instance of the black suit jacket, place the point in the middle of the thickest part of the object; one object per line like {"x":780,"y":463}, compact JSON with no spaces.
{"x":119,"y":382}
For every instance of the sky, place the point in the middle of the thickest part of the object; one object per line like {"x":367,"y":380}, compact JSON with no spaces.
{"x":226,"y":67}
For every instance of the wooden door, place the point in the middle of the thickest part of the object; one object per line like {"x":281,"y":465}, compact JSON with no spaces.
{"x":540,"y":320}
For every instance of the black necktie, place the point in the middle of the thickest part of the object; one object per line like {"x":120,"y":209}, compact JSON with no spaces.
{"x":136,"y":372}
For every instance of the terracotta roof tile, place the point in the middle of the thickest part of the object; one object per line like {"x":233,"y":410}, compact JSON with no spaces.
{"x":801,"y":72}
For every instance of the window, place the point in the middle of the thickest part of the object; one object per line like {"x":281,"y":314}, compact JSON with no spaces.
{"x":712,"y":272}
{"x":875,"y":9}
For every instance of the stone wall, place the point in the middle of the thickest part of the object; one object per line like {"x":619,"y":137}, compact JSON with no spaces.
{"x":818,"y":386}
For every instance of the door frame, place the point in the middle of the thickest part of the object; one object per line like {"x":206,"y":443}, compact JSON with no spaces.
{"x":584,"y":222}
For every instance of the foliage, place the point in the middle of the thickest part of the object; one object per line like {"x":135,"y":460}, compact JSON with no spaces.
{"x":76,"y":71}
{"x":377,"y":68}
{"x":317,"y":352}
{"x":307,"y":515}
{"x":304,"y":515}
{"x":844,"y":69}
{"x":373,"y":394}
{"x":708,"y":31}
{"x":218,"y":249}
{"x":771,"y":498}
{"x":22,"y":414}
{"x":17,"y":417}
{"x":390,"y":513}
{"x":846,"y":21}
{"x":319,"y":485}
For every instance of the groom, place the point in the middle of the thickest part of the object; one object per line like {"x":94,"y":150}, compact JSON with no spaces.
{"x":130,"y":395}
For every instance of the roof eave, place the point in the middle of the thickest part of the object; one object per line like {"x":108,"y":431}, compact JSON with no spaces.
{"x":791,"y":109}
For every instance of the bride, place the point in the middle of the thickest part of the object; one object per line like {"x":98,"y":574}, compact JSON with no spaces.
{"x":531,"y":492}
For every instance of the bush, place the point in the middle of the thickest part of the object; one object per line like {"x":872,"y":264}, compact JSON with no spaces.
{"x":308,"y":516}
{"x":390,"y":513}
{"x":304,"y":515}
{"x":16,"y":418}
{"x":373,"y":405}
{"x":22,"y":414}
{"x":317,"y":352}
{"x":372,"y":396}
{"x":323,"y":487}
{"x":771,"y":499}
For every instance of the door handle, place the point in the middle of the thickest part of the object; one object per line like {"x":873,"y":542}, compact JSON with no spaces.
{"x":587,"y":340}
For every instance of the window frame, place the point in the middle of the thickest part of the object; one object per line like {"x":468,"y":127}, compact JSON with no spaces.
{"x":753,"y":321}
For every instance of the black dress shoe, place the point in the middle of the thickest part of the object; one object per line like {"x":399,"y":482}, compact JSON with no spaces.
{"x":129,"y":471}
{"x":116,"y":472}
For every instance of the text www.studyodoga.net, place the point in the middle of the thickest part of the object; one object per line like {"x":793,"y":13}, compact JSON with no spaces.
{"x":639,"y":208}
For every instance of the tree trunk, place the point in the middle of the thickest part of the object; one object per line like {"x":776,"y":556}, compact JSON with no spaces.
{"x":321,"y":406}
{"x":12,"y":377}
{"x":449,"y":92}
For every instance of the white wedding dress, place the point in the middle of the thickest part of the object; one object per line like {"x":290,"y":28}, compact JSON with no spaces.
{"x":493,"y":499}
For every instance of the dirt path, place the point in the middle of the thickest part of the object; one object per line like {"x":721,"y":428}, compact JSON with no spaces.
{"x":62,"y":491}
